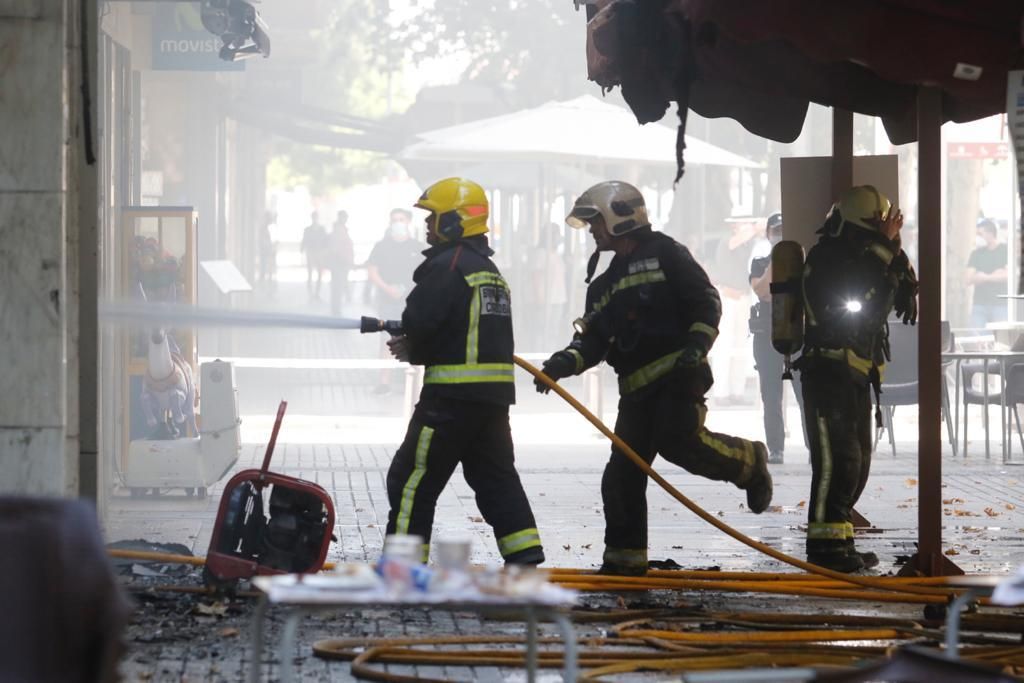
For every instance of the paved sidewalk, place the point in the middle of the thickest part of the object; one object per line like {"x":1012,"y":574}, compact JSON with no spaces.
{"x":169,"y":641}
{"x":983,"y":507}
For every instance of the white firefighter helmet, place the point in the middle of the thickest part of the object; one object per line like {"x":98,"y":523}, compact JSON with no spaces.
{"x":620,"y":205}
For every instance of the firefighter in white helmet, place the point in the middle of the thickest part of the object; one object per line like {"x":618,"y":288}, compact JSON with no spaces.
{"x":653,"y":315}
{"x":852,"y":279}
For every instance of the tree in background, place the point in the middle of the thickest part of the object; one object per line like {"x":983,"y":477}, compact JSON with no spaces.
{"x":532,"y":50}
{"x":371,"y":54}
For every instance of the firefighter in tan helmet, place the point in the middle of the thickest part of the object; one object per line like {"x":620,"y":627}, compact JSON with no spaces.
{"x":653,"y":315}
{"x":854,"y":276}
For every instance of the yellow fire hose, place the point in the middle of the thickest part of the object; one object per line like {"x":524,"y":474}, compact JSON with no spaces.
{"x":605,"y":657}
{"x":864,"y":581}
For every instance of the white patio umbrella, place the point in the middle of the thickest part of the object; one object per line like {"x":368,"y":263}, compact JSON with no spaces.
{"x":582,"y":130}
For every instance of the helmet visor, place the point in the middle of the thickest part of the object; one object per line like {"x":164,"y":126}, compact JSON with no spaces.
{"x":580,"y":216}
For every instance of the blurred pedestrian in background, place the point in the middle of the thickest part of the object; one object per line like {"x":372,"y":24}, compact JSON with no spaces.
{"x":314,"y":247}
{"x":986,"y":270}
{"x":340,"y":255}
{"x":268,"y":249}
{"x":389,"y":269}
{"x":731,"y":360}
{"x":768,"y":361}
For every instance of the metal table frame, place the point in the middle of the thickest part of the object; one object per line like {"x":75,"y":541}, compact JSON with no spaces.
{"x":975,"y":587}
{"x":532,"y":611}
{"x":1004,"y":358}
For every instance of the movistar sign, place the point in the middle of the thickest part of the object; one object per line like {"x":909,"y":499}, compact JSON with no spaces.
{"x":181,"y":43}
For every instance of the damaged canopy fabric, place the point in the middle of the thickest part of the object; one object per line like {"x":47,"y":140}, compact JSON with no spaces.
{"x":761,"y":63}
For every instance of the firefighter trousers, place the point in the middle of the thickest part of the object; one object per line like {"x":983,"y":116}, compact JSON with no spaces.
{"x":668,"y":421}
{"x":837,"y":415}
{"x":443,"y":433}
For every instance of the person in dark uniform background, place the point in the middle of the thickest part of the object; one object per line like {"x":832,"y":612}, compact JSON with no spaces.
{"x":853,"y":277}
{"x":653,"y":315}
{"x":767,"y":361}
{"x":458,"y":323}
{"x":389,"y":270}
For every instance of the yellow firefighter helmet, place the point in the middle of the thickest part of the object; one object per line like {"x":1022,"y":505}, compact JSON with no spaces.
{"x":620,"y":205}
{"x":865,"y":206}
{"x":459,"y":206}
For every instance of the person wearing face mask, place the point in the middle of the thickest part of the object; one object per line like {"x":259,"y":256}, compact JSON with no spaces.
{"x":653,"y":315}
{"x":389,"y":270}
{"x":768,"y":361}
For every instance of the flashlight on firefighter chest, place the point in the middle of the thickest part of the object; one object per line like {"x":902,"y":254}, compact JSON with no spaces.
{"x":853,"y":306}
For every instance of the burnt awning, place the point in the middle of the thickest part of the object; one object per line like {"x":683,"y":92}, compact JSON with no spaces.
{"x":762,"y":63}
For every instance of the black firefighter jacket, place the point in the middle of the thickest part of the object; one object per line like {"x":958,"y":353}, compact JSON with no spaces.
{"x":643,"y":310}
{"x":458,"y":319}
{"x":850,"y":282}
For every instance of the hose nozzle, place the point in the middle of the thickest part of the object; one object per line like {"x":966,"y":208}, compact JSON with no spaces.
{"x":368,"y":324}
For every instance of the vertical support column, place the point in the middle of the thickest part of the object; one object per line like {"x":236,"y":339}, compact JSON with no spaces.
{"x":39,"y":212}
{"x":842,"y":151}
{"x":929,"y":559}
{"x":85,"y":156}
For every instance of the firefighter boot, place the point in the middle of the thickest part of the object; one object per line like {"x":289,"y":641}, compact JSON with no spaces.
{"x":623,"y":562}
{"x":621,"y":570}
{"x":838,"y":560}
{"x":759,"y":484}
{"x":868,"y":558}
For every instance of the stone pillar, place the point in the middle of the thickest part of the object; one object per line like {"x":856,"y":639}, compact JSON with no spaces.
{"x":40,"y":81}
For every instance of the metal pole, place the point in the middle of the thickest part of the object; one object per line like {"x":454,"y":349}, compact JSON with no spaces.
{"x":89,"y":484}
{"x":930,"y":560}
{"x":842,"y":151}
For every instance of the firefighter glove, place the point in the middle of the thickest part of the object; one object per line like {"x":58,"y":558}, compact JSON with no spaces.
{"x":690,"y":357}
{"x":399,"y":348}
{"x":560,"y":365}
{"x":905,"y":301}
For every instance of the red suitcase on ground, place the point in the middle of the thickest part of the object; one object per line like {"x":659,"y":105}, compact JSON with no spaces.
{"x":268,"y":523}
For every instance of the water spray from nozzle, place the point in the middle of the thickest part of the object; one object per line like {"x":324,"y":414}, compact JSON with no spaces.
{"x":140,"y":313}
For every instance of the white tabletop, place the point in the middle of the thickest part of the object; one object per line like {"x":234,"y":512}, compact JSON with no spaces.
{"x":319,"y":589}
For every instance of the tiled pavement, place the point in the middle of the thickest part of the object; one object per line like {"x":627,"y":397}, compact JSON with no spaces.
{"x":983,"y":526}
{"x":984,"y":522}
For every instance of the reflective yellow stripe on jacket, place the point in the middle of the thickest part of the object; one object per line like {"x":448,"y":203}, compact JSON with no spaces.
{"x":648,"y":373}
{"x":471,"y":371}
{"x":634,"y":280}
{"x":476,"y":280}
{"x":468,"y":373}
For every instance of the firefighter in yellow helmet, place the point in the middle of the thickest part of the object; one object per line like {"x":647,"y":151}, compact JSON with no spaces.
{"x":852,"y":279}
{"x":458,"y":323}
{"x":653,"y":315}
